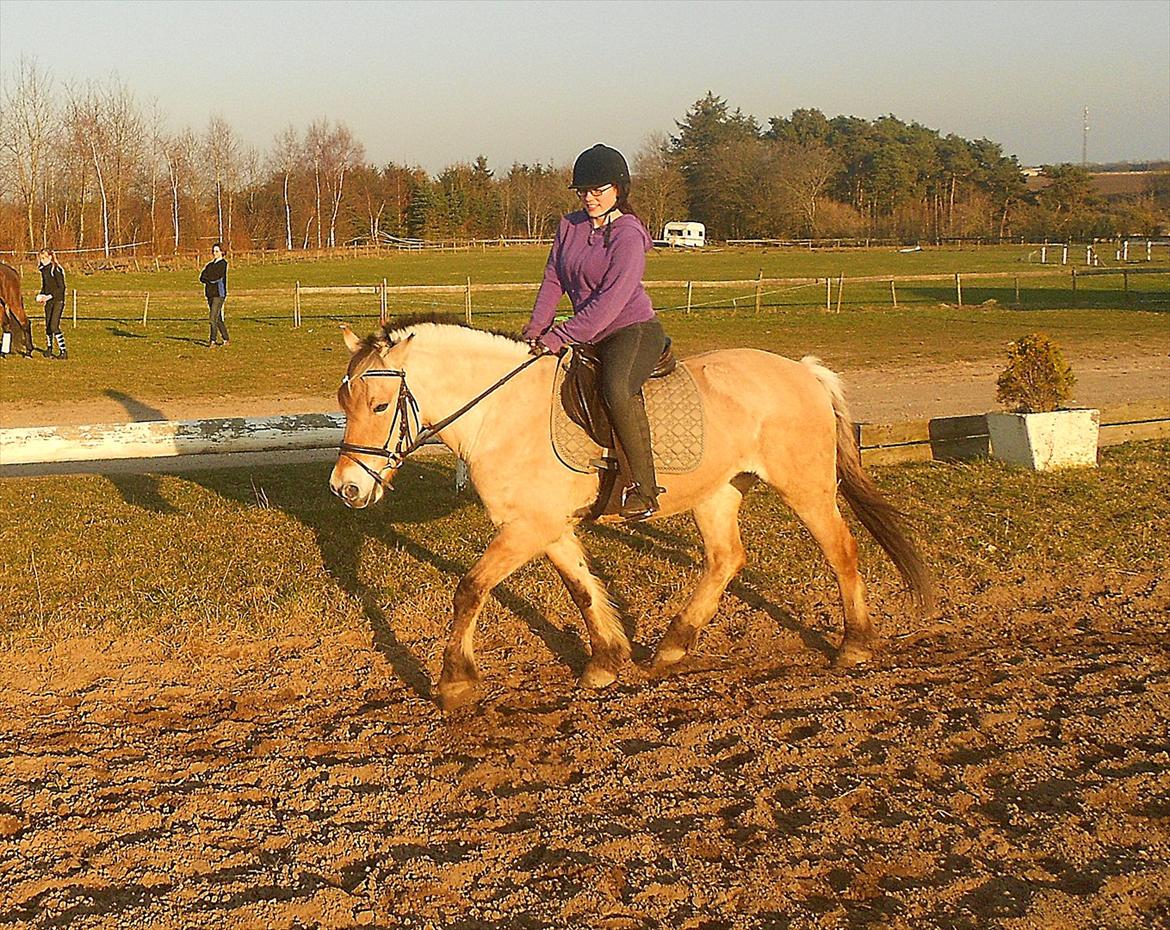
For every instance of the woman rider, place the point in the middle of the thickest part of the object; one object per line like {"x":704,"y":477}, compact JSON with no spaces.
{"x":598,"y":258}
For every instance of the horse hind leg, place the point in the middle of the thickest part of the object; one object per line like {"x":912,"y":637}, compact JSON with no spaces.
{"x":821,"y":515}
{"x":609,"y":644}
{"x":511,"y":548}
{"x":718,"y":522}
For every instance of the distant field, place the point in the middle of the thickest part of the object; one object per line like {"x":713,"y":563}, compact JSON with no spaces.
{"x":114,"y":354}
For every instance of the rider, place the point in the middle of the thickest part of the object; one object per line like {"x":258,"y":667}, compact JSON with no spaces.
{"x":598,"y":258}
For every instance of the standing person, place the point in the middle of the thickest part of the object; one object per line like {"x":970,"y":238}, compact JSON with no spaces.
{"x":598,"y":259}
{"x":214,"y":278}
{"x":52,"y":295}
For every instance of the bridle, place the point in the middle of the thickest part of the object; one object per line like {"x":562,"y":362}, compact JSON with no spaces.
{"x":405,"y":410}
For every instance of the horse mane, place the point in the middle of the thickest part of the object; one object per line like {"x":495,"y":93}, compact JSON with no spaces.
{"x":455,"y":331}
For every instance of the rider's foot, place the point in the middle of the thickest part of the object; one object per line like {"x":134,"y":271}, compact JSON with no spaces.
{"x":638,"y":505}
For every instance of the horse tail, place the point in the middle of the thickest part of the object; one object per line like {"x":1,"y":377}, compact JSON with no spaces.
{"x":883,"y":520}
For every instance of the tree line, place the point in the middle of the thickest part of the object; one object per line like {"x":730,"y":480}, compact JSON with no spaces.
{"x":90,"y":166}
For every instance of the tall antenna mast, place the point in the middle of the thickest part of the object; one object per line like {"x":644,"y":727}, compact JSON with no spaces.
{"x":1085,"y":139}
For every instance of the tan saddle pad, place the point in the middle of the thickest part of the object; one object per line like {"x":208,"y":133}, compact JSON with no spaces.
{"x":674,"y":408}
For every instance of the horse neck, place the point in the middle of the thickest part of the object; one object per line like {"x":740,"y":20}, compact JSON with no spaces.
{"x":443,"y":380}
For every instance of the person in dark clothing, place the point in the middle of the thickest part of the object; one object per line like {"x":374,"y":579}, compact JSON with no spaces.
{"x":214,"y":278}
{"x":598,"y":259}
{"x":52,"y":295}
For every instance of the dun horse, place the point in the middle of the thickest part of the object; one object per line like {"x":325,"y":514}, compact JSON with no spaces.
{"x":768,"y":418}
{"x":12,"y":307}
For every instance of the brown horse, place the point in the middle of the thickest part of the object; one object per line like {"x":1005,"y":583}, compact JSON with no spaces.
{"x":15,"y":320}
{"x":769,"y":418}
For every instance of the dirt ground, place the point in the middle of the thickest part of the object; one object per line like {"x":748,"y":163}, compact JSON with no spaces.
{"x":1004,"y":763}
{"x":1000,"y":765}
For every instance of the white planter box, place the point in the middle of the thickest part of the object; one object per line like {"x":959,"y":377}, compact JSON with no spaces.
{"x":1044,"y":441}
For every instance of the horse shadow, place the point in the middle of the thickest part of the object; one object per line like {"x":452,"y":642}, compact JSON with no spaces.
{"x":139,"y":489}
{"x":340,"y":536}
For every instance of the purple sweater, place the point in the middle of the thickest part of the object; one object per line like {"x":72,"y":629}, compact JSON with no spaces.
{"x":604,"y":285}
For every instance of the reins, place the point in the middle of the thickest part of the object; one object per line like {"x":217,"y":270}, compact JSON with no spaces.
{"x":406,"y":408}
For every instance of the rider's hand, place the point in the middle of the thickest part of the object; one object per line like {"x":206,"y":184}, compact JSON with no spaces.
{"x":536,"y":347}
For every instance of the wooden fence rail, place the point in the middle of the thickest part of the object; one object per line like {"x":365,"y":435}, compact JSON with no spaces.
{"x":948,"y":439}
{"x":754,"y":289}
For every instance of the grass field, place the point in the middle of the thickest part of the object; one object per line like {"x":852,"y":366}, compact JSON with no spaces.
{"x":264,"y":550}
{"x":114,"y":355}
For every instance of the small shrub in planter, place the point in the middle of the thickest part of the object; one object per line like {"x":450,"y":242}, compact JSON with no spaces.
{"x":1038,"y":433}
{"x":1037,"y":379}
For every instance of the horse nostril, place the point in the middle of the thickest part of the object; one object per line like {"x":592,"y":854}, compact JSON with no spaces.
{"x":349,"y":491}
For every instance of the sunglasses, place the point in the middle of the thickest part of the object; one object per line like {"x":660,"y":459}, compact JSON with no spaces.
{"x":595,"y":191}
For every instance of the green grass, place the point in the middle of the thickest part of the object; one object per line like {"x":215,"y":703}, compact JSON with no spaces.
{"x":167,"y":361}
{"x":525,"y":263}
{"x":256,"y":551}
{"x":114,"y":354}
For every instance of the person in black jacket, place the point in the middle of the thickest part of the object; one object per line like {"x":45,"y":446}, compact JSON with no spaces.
{"x":214,"y":278}
{"x":52,"y":295}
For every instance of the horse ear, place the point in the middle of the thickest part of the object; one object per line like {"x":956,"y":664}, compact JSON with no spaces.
{"x":351,"y":338}
{"x":383,"y":348}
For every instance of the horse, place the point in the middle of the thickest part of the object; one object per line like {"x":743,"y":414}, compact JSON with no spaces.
{"x":770,"y":418}
{"x":15,"y":320}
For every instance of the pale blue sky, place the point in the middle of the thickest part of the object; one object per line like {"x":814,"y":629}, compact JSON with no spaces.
{"x":432,"y":83}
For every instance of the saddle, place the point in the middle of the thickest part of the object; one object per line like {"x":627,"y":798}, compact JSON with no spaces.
{"x":583,"y":437}
{"x":581,"y":391}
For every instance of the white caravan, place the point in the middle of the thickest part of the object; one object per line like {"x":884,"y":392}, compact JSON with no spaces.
{"x":688,"y":235}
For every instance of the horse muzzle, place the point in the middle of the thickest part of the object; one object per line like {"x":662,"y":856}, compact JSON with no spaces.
{"x":356,"y":494}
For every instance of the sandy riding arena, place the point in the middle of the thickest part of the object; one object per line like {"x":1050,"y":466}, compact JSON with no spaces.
{"x":1002,"y":763}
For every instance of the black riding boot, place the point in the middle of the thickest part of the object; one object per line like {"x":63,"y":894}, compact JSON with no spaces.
{"x":627,"y":358}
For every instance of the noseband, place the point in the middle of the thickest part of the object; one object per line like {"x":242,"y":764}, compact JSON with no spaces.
{"x":404,"y":411}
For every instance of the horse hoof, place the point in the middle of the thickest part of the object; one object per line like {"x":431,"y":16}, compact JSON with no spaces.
{"x":597,"y":676}
{"x":851,"y":654}
{"x":666,"y":656}
{"x":456,"y":694}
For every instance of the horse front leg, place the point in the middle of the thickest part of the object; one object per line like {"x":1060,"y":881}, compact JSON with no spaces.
{"x":609,"y":645}
{"x":512,"y":547}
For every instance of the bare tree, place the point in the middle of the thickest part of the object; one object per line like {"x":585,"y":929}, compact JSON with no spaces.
{"x":316,"y":145}
{"x":221,"y":149}
{"x":660,"y":190}
{"x":125,"y":134}
{"x":27,"y":117}
{"x":286,"y":158}
{"x":178,"y":154}
{"x":342,"y":153}
{"x":804,"y":173}
{"x":84,"y":117}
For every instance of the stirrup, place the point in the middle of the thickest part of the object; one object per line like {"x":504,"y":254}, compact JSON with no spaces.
{"x":637,"y":504}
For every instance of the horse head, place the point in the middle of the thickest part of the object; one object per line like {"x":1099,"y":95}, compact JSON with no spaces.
{"x":378,"y":413}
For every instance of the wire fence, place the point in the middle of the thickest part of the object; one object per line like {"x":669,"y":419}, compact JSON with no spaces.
{"x":1125,"y":287}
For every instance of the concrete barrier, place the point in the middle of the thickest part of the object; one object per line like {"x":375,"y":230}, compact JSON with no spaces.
{"x":940,"y":439}
{"x":159,"y":438}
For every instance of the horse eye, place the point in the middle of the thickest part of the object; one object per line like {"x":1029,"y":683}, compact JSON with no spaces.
{"x":381,"y":408}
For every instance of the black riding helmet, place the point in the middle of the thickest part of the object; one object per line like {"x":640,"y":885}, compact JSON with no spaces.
{"x":599,"y":166}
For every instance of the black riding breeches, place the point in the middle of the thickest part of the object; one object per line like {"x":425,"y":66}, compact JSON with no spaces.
{"x":54,"y":307}
{"x":215,"y":318}
{"x":627,"y":359}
